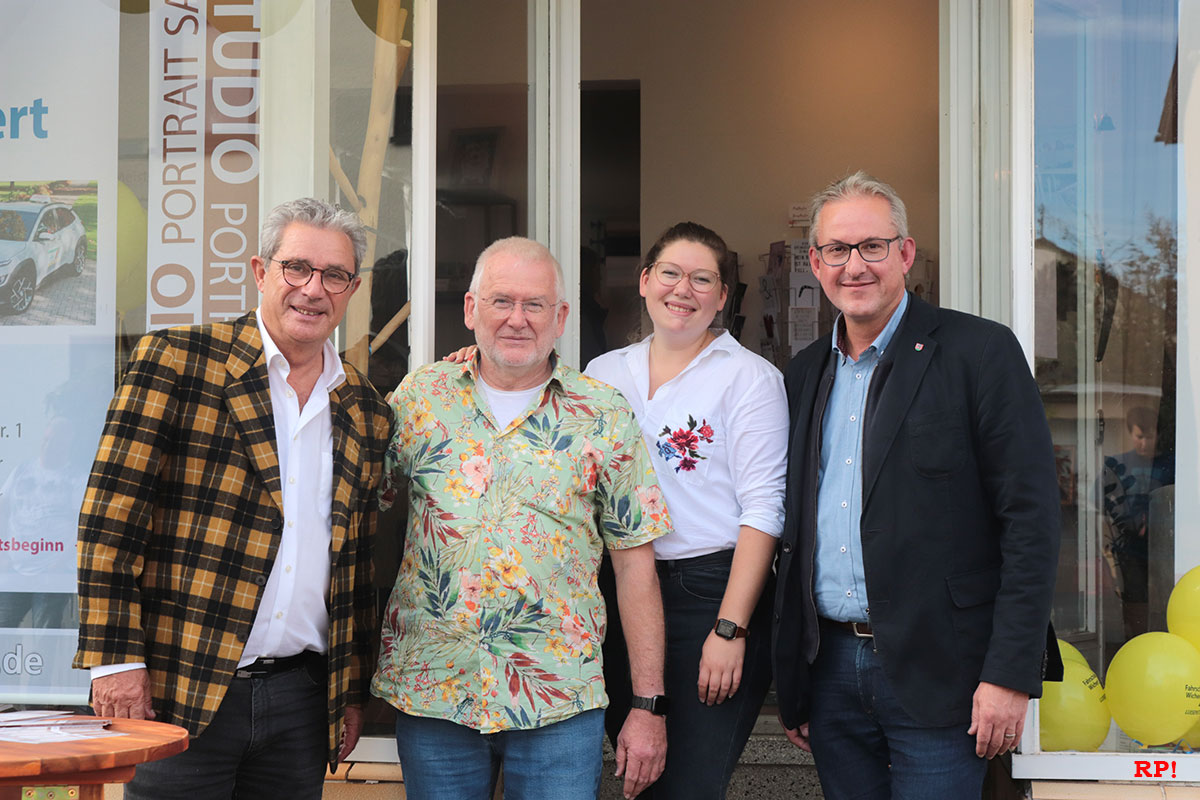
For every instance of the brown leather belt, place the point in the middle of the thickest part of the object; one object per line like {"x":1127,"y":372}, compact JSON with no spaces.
{"x":860,"y":629}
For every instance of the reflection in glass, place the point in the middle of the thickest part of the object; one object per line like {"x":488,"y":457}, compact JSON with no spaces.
{"x":482,"y":145}
{"x":1107,"y":228}
{"x":39,"y":514}
{"x":370,"y":137}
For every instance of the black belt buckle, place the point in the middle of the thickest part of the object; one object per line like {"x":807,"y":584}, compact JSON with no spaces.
{"x":256,"y":669}
{"x":262,"y":667}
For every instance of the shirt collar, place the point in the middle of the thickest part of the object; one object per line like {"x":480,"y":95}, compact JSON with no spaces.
{"x":724,"y":343}
{"x":469,"y":371}
{"x":885,"y":336}
{"x":332,"y":372}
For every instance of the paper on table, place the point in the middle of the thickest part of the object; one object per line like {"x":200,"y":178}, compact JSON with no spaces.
{"x":54,"y":733}
{"x":44,"y":725}
{"x":56,"y":718}
{"x":11,"y":717}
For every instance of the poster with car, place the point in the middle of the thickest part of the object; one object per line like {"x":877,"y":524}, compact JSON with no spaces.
{"x":47,"y":252}
{"x":58,"y":185}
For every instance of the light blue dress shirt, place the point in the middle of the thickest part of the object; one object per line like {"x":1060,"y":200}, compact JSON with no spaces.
{"x":841,"y":586}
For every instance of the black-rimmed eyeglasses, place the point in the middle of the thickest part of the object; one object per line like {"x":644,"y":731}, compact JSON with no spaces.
{"x":836,"y":254}
{"x":299,"y":273}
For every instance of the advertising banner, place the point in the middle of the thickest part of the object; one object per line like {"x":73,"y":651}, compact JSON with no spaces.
{"x":204,"y":160}
{"x":58,"y":189}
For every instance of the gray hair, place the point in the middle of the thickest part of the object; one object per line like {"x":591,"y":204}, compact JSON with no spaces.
{"x":317,"y":214}
{"x":860,"y":184}
{"x":527,"y":251}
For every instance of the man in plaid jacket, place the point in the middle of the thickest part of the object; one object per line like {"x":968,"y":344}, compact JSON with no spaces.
{"x":224,"y":562}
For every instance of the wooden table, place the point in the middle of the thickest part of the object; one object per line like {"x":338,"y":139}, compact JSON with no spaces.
{"x":84,"y":766}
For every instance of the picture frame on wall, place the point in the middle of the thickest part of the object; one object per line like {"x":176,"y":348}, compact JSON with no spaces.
{"x":1064,"y":466}
{"x":473,"y":156}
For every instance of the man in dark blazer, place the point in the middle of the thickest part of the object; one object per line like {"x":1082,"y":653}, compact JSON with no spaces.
{"x":224,"y":560}
{"x":918,"y":557}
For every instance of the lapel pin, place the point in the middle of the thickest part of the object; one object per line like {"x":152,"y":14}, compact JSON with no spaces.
{"x":918,"y":347}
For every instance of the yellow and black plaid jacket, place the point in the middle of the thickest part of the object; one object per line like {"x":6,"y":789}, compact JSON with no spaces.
{"x":182,"y":519}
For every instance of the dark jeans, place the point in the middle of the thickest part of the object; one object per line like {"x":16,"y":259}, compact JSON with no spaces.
{"x":269,"y":738}
{"x":867,"y":747}
{"x":704,"y":742}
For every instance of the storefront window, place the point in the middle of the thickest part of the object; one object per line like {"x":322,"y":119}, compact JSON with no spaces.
{"x":1107,"y":228}
{"x":134,"y":179}
{"x":483,"y":145}
{"x":370,"y":170}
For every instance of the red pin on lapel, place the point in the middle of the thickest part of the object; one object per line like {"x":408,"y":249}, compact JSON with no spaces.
{"x":918,"y":347}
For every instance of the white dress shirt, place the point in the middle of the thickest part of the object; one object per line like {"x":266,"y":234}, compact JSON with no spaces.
{"x":717,"y":434}
{"x":292,"y":615}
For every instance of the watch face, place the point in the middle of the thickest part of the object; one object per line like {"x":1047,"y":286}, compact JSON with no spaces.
{"x":655,"y":705}
{"x":726,"y":629}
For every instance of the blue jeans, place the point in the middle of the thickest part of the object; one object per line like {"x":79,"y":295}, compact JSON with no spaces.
{"x":443,"y":760}
{"x":866,"y":746}
{"x":704,"y":742}
{"x":269,"y":738}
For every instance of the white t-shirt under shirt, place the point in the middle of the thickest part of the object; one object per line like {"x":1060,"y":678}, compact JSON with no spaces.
{"x":505,"y":405}
{"x":717,"y":434}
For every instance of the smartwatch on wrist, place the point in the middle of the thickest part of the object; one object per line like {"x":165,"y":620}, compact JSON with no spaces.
{"x":728,"y":629}
{"x":656,"y":705}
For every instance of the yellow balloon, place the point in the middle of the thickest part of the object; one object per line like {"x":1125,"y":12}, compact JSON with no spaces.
{"x":1074,"y":714}
{"x":1183,"y":609}
{"x":1153,"y":687}
{"x":1070,"y":653}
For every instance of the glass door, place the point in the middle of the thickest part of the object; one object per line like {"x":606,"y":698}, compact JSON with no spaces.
{"x":1106,"y":232}
{"x":484,"y":148}
{"x":459,"y":173}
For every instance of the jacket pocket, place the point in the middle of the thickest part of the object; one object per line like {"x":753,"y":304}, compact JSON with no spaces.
{"x":970,"y":589}
{"x":937,"y":443}
{"x":973,"y":595}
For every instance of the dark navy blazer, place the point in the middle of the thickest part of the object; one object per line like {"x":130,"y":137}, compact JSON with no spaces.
{"x":960,"y":520}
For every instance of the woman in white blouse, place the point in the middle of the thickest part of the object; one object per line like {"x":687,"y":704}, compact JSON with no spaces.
{"x":714,"y":416}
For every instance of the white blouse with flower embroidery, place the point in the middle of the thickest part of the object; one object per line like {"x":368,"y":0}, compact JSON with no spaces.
{"x":717,"y":434}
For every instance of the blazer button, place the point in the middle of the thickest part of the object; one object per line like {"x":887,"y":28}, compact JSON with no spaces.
{"x":261,"y":580}
{"x":787,"y":547}
{"x":277,"y":524}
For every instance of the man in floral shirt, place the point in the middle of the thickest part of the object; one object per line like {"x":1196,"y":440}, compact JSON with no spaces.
{"x":520,"y":470}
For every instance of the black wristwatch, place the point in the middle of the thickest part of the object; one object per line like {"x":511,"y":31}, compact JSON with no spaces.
{"x":655,"y":705}
{"x":727,"y":629}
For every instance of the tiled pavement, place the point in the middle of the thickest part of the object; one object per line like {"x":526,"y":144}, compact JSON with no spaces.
{"x":62,"y":299}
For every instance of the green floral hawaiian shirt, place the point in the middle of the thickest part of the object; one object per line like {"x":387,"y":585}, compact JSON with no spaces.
{"x":496,"y":621}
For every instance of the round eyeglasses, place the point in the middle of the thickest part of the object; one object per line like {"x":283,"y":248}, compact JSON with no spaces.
{"x":838,"y":253}
{"x":299,"y":273}
{"x":702,"y":281}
